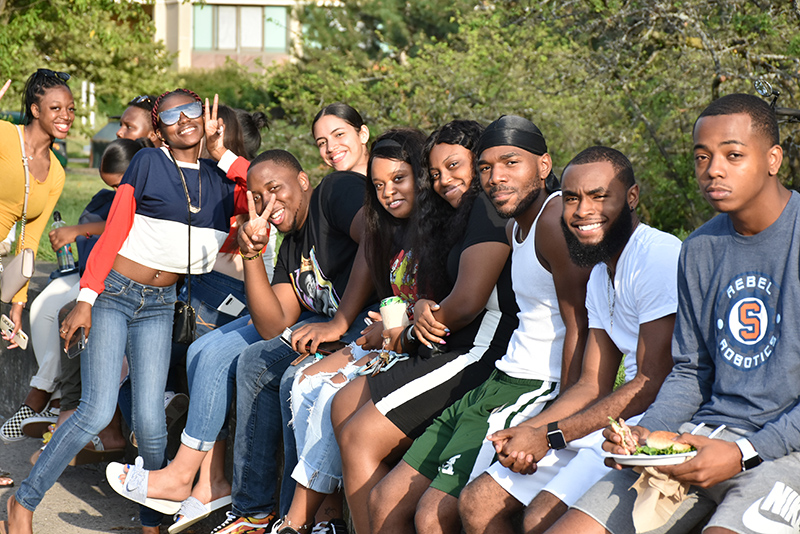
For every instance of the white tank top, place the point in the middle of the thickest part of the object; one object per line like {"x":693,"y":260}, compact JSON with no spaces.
{"x":536,"y":346}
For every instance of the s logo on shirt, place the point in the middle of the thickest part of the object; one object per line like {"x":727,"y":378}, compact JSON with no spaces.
{"x":748,"y":322}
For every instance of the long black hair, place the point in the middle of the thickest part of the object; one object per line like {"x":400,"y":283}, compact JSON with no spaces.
{"x":438,"y":225}
{"x":37,"y":85}
{"x":381,"y":232}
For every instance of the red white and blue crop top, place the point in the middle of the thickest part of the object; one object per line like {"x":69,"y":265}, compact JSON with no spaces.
{"x":148,"y":219}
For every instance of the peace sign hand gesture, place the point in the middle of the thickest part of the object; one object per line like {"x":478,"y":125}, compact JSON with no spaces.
{"x":214,"y":130}
{"x":254,"y":234}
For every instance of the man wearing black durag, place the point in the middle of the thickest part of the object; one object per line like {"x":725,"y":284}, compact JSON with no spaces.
{"x":543,"y":356}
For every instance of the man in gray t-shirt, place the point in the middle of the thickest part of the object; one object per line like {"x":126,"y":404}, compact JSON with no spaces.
{"x":736,"y":358}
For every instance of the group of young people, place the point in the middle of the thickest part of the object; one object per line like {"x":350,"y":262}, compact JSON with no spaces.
{"x":487,"y":408}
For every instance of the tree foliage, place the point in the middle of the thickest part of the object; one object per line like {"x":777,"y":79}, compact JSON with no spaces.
{"x":629,"y":74}
{"x":632,"y":74}
{"x":372,"y":29}
{"x":108,"y":42}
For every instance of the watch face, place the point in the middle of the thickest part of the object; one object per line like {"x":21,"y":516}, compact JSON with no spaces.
{"x":556,"y":440}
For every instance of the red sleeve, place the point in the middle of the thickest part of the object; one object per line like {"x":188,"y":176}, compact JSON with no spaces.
{"x":231,"y":244}
{"x":118,"y":226}
{"x":238,"y":173}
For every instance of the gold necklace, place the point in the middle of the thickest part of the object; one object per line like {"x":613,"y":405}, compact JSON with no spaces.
{"x":193,"y":209}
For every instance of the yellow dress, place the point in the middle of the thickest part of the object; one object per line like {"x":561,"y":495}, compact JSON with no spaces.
{"x":41,"y":201}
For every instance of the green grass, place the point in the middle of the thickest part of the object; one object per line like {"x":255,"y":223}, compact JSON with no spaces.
{"x":78,"y":191}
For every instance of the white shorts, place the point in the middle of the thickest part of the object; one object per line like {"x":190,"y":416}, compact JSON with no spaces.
{"x":567,"y":473}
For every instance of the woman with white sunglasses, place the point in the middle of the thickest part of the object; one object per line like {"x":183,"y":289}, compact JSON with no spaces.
{"x":128,"y":291}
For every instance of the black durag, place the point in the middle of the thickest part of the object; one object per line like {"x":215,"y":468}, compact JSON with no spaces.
{"x":512,"y":130}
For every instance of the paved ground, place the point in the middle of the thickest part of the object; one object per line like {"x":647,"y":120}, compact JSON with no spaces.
{"x":81,"y":501}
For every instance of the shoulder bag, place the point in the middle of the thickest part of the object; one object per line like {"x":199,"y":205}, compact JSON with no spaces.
{"x":184,"y":326}
{"x":19,"y":270}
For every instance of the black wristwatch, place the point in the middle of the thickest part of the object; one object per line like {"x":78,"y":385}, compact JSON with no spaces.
{"x":750,"y":457}
{"x":555,"y":437}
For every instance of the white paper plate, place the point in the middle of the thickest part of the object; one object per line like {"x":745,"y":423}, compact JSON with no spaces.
{"x":649,"y":461}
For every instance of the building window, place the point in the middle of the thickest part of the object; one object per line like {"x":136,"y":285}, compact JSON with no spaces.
{"x":240,"y":28}
{"x":275,"y":24}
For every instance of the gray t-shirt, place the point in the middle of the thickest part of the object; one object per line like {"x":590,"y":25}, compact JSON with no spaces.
{"x":737,"y":361}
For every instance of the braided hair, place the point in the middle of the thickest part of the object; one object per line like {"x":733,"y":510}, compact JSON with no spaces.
{"x":37,"y":85}
{"x":157,"y":104}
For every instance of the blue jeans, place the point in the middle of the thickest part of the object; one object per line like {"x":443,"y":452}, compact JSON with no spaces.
{"x":263,"y":387}
{"x":127,"y":318}
{"x":211,"y":370}
{"x":208,"y":292}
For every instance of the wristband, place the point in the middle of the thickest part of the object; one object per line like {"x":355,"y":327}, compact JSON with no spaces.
{"x":258,"y":255}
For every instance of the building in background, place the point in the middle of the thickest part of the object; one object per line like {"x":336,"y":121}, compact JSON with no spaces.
{"x":205,"y":34}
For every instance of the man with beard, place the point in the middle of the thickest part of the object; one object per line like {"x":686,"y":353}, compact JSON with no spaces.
{"x":631,"y":299}
{"x":544,"y":353}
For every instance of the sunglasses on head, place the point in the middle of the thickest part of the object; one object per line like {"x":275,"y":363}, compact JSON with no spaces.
{"x":54,"y":74}
{"x":192,"y":110}
{"x":140,"y":99}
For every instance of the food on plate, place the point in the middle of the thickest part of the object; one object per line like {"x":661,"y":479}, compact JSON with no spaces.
{"x":660,"y":442}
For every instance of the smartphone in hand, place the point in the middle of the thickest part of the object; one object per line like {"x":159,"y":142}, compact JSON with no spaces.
{"x":76,"y":345}
{"x":21,"y":338}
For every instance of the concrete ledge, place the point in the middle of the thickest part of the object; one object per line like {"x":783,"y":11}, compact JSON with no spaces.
{"x":17,"y":366}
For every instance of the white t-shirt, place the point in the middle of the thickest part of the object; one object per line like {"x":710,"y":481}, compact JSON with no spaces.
{"x":645,"y":289}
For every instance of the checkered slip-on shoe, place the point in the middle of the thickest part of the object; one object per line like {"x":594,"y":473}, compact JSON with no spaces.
{"x":12,"y":429}
{"x":36,"y":426}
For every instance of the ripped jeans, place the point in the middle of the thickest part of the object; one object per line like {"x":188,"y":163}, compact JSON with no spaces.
{"x":319,"y":462}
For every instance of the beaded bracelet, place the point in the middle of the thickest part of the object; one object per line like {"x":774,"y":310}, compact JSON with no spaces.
{"x":258,"y":255}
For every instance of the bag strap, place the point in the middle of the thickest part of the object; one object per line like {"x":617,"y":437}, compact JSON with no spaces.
{"x":21,"y":243}
{"x":24,"y":219}
{"x":189,"y":240}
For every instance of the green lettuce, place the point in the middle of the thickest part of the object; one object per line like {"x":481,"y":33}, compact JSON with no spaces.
{"x":651,"y":451}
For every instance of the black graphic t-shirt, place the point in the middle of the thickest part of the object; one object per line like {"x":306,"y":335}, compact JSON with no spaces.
{"x":317,"y":260}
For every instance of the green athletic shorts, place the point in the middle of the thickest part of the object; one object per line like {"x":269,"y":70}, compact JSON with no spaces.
{"x":454,"y":449}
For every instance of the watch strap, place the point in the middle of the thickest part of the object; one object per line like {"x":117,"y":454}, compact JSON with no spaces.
{"x":750,"y":457}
